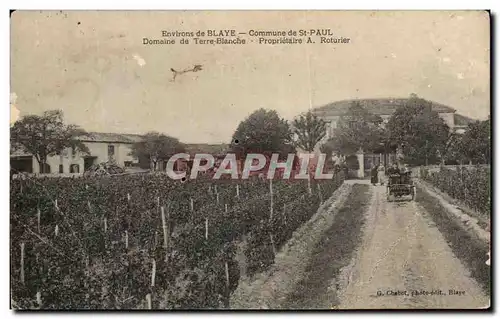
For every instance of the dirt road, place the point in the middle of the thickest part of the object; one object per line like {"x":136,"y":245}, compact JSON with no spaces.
{"x":376,"y":254}
{"x":404,"y":262}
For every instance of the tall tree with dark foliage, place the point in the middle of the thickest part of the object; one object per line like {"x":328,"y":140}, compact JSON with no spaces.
{"x":419,"y":130}
{"x":263,"y":132}
{"x":156,"y":146}
{"x":309,"y":130}
{"x":357,"y":130}
{"x":46,"y":135}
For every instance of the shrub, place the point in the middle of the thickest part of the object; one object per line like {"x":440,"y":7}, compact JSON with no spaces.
{"x":469,"y":185}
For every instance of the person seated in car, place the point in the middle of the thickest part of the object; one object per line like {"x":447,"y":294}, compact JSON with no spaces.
{"x":407,"y":173}
{"x":393,"y":170}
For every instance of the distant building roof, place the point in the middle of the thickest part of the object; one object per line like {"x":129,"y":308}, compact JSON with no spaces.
{"x":19,"y":152}
{"x":385,"y":106}
{"x":213,"y":149}
{"x":461,"y":120}
{"x":111,"y":137}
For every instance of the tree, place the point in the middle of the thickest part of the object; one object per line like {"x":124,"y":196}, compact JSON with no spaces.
{"x":447,"y":151}
{"x":327,"y":149}
{"x":310,"y":130}
{"x":357,"y":130}
{"x":156,"y":146}
{"x":419,"y":131}
{"x":45,"y":136}
{"x":475,"y":144}
{"x":263,"y":132}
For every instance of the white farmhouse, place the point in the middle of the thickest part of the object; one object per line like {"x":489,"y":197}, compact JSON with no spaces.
{"x":102,"y":147}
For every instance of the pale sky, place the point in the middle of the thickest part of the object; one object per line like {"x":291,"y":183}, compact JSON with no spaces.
{"x":94,"y":67}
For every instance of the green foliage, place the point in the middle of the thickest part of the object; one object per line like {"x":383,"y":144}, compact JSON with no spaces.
{"x":85,"y":267}
{"x":475,"y":144}
{"x":156,"y":146}
{"x":46,"y":135}
{"x":419,"y":130}
{"x":358,"y":129}
{"x":352,"y":162}
{"x":470,"y":185}
{"x":450,"y":150}
{"x":292,"y":206}
{"x":310,"y":130}
{"x":263,"y":132}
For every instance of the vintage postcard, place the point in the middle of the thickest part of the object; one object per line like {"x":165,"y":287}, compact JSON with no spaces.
{"x":334,"y":160}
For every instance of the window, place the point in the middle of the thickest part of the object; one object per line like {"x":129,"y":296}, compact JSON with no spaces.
{"x":61,"y":168}
{"x":128,"y":163}
{"x":111,"y":151}
{"x":333,"y":126}
{"x":74,"y":168}
{"x":73,"y":151}
{"x":45,"y":168}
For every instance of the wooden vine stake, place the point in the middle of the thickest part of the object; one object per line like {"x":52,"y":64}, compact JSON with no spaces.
{"x":56,"y":231}
{"x":148,"y":299}
{"x":284,"y":213}
{"x":191,"y":204}
{"x":39,"y":299}
{"x":153,"y":274}
{"x":126,"y":239}
{"x":165,"y":232}
{"x":55,"y":205}
{"x":217,"y":198}
{"x":227,"y":274}
{"x":309,"y":184}
{"x":320,"y":195}
{"x":225,"y":208}
{"x":272,"y":244}
{"x":38,"y":215}
{"x":89,"y":206}
{"x":272,"y":199}
{"x":105,"y":224}
{"x":128,"y":197}
{"x":238,"y":191}
{"x":22,"y":263}
{"x":206,"y":228}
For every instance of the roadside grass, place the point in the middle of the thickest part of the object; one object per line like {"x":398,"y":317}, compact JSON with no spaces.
{"x":331,"y":254}
{"x":468,"y":248}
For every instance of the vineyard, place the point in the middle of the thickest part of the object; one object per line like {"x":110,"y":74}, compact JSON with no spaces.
{"x":469,"y":185}
{"x":147,"y":242}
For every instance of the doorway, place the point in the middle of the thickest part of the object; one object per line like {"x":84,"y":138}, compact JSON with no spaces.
{"x":88,"y":162}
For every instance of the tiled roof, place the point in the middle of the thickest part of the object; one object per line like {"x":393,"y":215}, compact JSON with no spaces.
{"x":134,"y":137}
{"x":375,"y":106}
{"x":19,"y":152}
{"x":111,"y":137}
{"x":214,"y":149}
